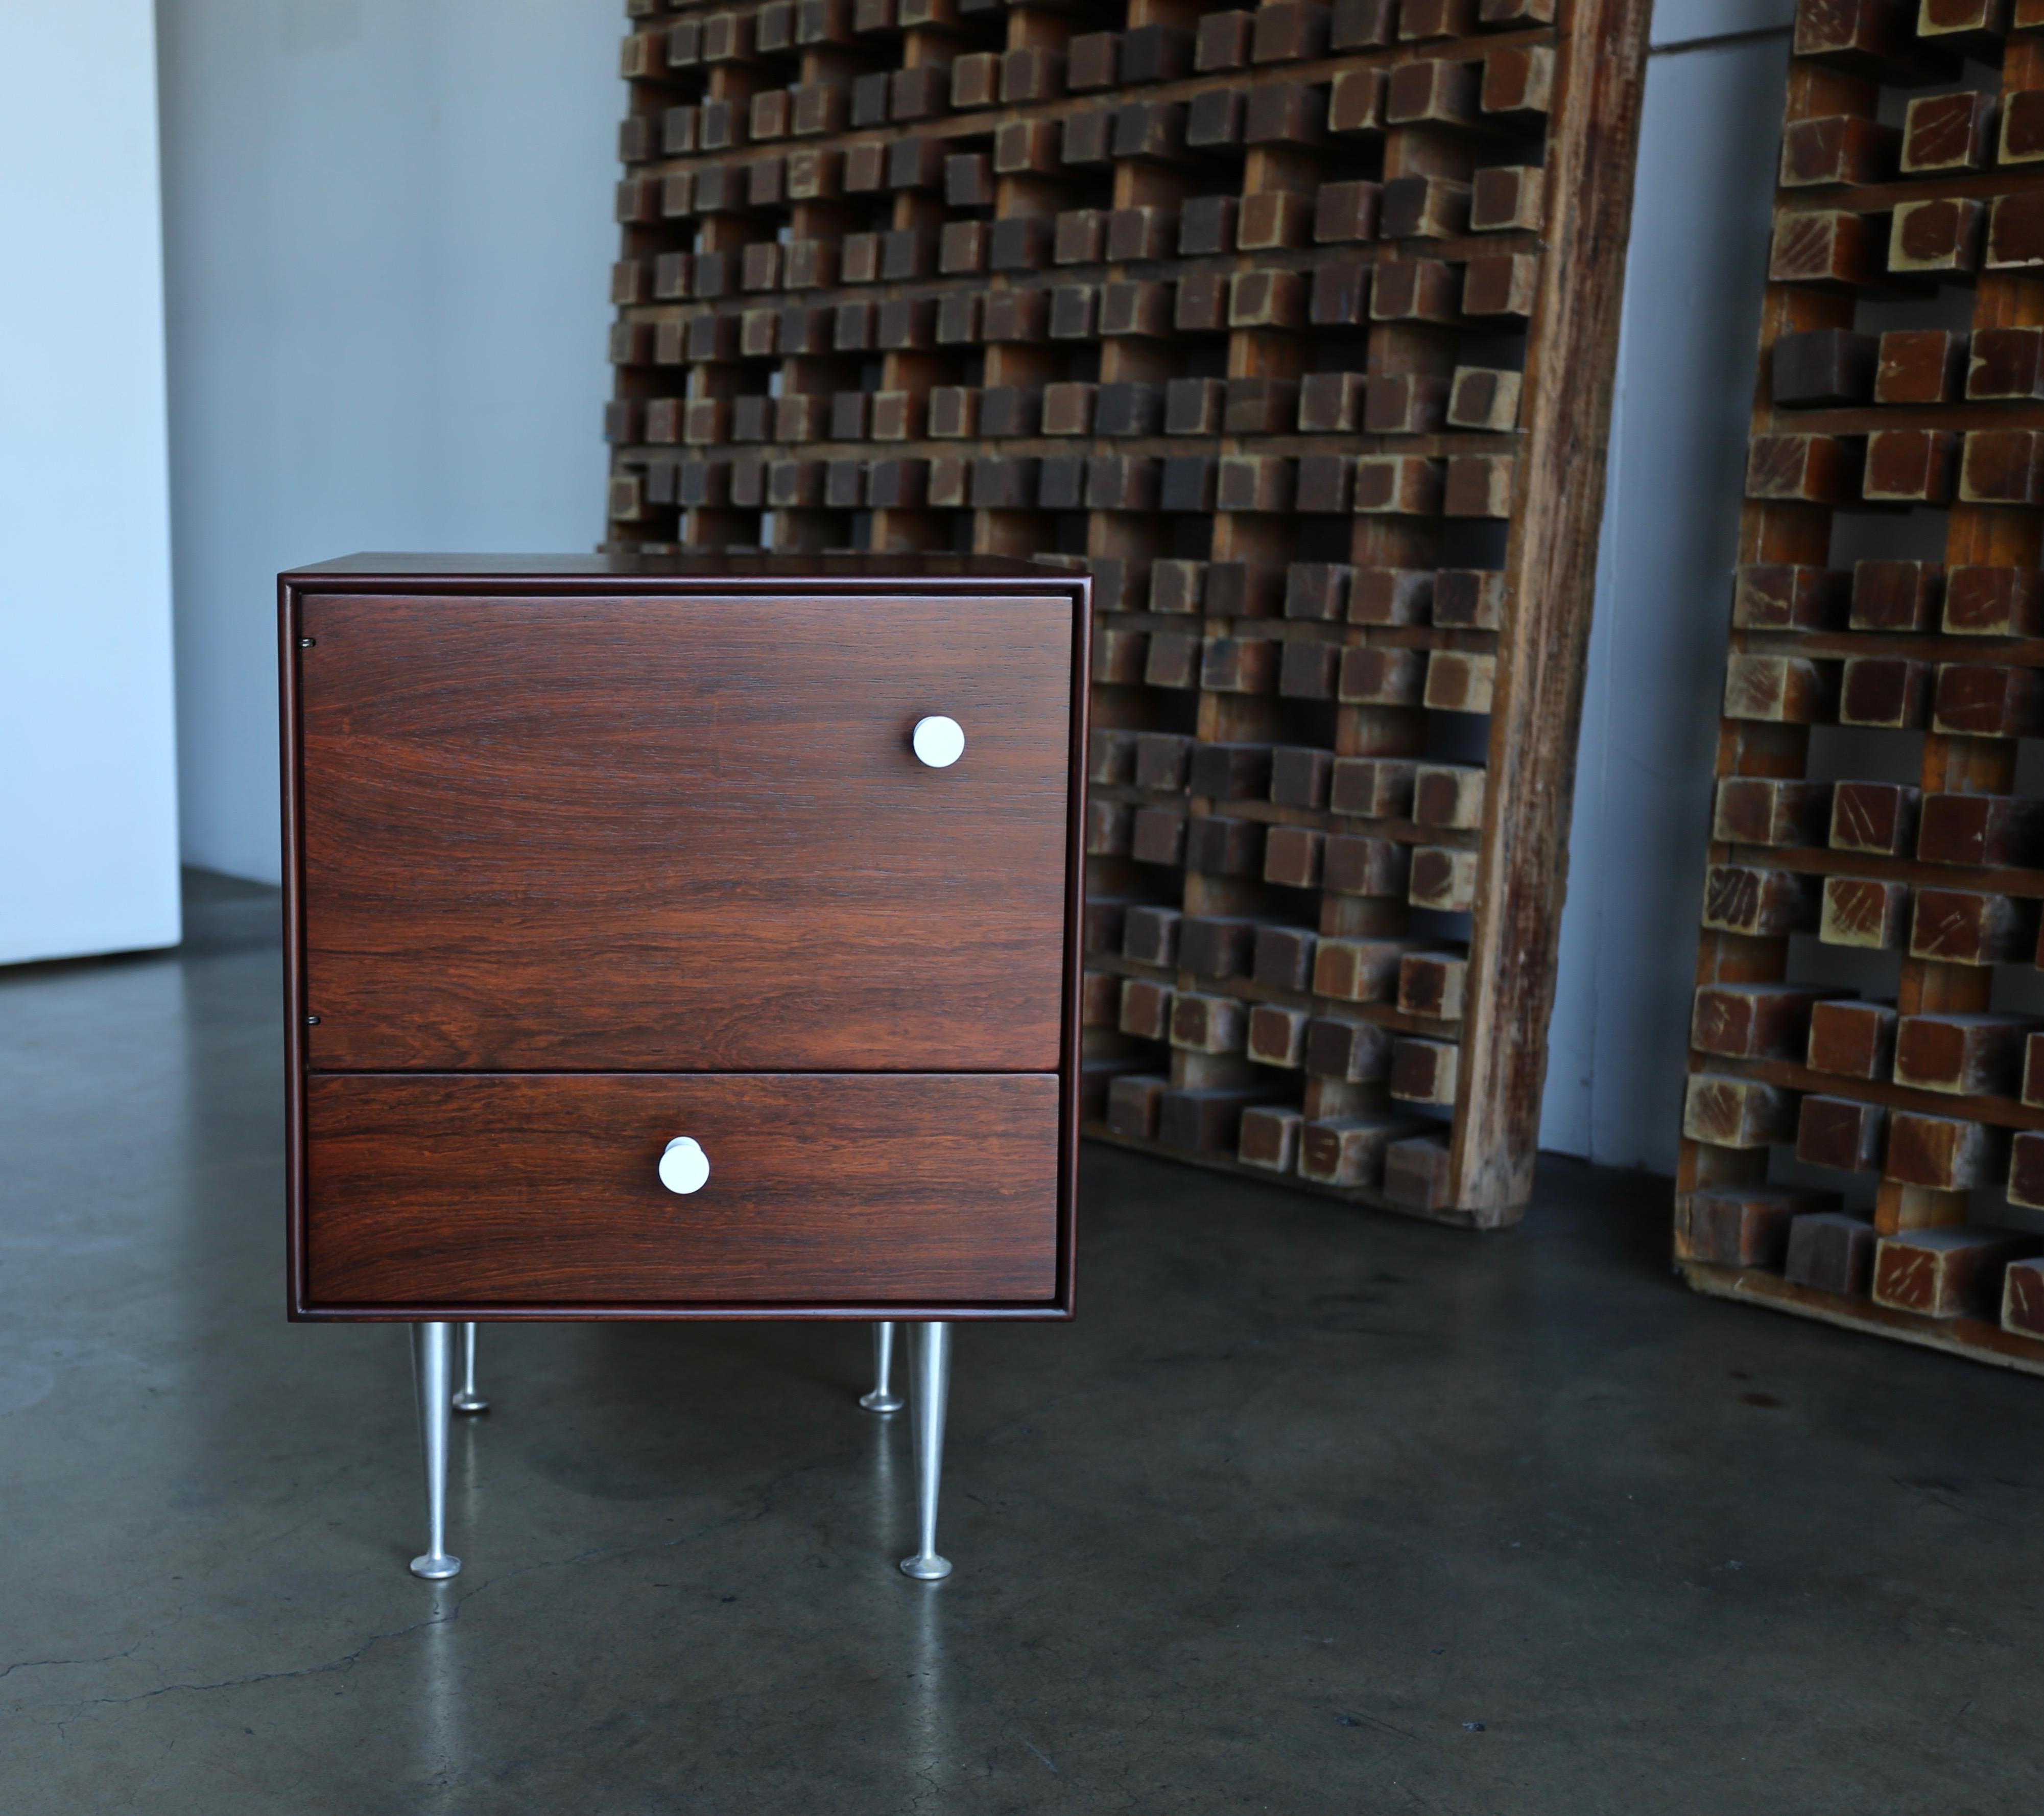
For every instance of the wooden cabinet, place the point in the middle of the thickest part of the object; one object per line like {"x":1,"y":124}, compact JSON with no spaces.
{"x":585,"y":856}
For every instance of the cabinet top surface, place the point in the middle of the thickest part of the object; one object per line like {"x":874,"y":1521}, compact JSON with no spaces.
{"x":708,"y":568}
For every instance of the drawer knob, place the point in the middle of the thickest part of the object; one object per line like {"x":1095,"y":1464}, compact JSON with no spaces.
{"x":684,"y":1167}
{"x":939,"y":742}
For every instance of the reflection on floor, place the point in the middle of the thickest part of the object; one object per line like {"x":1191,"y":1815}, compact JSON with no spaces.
{"x":1310,"y":1511}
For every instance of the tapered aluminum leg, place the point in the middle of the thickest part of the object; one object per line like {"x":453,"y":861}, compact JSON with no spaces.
{"x":466,"y":1399}
{"x":432,"y":1377}
{"x":929,"y":1382}
{"x":883,"y":1399}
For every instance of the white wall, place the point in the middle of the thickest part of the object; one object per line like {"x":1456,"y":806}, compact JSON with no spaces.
{"x":88,"y":792}
{"x":1687,"y":352}
{"x":388,"y":240}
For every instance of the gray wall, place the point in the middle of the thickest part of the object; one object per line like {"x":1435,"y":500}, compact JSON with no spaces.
{"x":389,"y":233}
{"x":1685,"y":377}
{"x":388,"y":250}
{"x":88,"y":787}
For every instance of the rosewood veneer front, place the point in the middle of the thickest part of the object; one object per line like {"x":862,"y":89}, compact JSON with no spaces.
{"x":587,"y":858}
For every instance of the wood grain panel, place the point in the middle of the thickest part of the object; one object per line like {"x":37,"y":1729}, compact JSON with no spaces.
{"x":435,"y":1194}
{"x":683,"y":833}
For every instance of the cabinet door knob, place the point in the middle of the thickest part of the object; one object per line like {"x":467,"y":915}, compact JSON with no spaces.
{"x":939,"y":742}
{"x":684,"y":1167}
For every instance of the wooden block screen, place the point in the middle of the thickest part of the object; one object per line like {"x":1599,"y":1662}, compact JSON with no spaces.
{"x":1295,"y":327}
{"x":1864,"y":1122}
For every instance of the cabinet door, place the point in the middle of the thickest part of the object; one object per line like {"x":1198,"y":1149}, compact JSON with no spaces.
{"x":534,"y":1191}
{"x":683,"y":833}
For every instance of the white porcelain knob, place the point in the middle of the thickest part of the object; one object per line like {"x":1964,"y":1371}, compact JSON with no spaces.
{"x":684,"y":1167}
{"x":940,"y":742}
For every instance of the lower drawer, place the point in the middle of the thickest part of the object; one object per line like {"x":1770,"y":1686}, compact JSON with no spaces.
{"x":542,"y":1192}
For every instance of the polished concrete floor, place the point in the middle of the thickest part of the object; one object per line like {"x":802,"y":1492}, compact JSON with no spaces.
{"x":1309,"y":1511}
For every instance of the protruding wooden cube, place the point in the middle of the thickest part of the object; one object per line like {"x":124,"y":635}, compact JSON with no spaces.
{"x":1946,"y":134}
{"x":1449,"y":794}
{"x":1150,"y":934}
{"x":1803,"y":469}
{"x":1985,"y":700}
{"x":1373,"y":675}
{"x":1762,"y":903}
{"x":1353,"y":1052}
{"x":1960,"y":926}
{"x":1782,"y":690}
{"x":1146,"y":1009}
{"x":1416,"y":1171}
{"x":2006,"y":365}
{"x":1358,"y":971}
{"x":1895,"y":596}
{"x":1944,"y":1153}
{"x":1753,"y":1021}
{"x":1482,"y":398}
{"x":1132,"y":1104}
{"x":1841,"y":1132}
{"x":1299,"y":775}
{"x":1741,"y":1226}
{"x":1920,"y":365}
{"x":2023,"y":1291}
{"x":1217,"y":846}
{"x":1348,"y":1151}
{"x":1292,"y":856}
{"x":1377,"y":788}
{"x":1970,"y":1055}
{"x":1862,"y":911}
{"x":1390,"y":595}
{"x":1100,"y":1000}
{"x":1459,"y":682}
{"x":1207,"y":1120}
{"x":1504,"y":196}
{"x":1278,"y":1035}
{"x":1835,"y":149}
{"x":1731,"y":1112}
{"x":1831,"y":1251}
{"x":1936,"y":235}
{"x":1434,"y":93}
{"x":1351,"y":864}
{"x":1852,"y":1039}
{"x":1407,"y":485}
{"x":1990,"y":831}
{"x":1946,"y":1273}
{"x":1479,"y":485}
{"x":1415,"y":290}
{"x":1270,"y":1137}
{"x":1829,"y":248}
{"x":1162,"y":760}
{"x":1216,"y":946}
{"x":1762,"y":810}
{"x":1307,"y":670}
{"x":1443,"y":879}
{"x":2002,"y":466}
{"x":1780,"y":596}
{"x":1424,"y":1071}
{"x":1888,"y":691}
{"x":1994,"y":601}
{"x":1159,"y":836}
{"x":1206,"y":1024}
{"x":1285,"y":956}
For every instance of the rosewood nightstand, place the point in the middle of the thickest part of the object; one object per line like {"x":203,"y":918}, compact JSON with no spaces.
{"x":683,"y":938}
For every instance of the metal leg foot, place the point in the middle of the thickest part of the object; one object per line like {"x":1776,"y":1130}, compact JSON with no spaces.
{"x":883,"y":1399}
{"x":930,"y":1381}
{"x":466,"y":1399}
{"x":432,"y":1377}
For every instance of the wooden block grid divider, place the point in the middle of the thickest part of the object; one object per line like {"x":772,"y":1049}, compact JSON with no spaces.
{"x":1294,"y":327}
{"x":1864,"y":1120}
